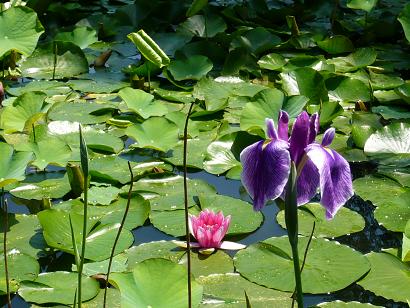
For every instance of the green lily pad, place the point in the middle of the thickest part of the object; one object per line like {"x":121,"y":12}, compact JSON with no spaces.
{"x":272,"y":61}
{"x":336,"y":44}
{"x":158,"y":249}
{"x":365,"y":5}
{"x":362,"y":57}
{"x":118,"y":265}
{"x":216,"y":263}
{"x":203,"y":26}
{"x":81,"y":36}
{"x":194,"y":67}
{"x":386,"y":274}
{"x":57,"y":287}
{"x":21,"y":267}
{"x":219,"y":157}
{"x":102,"y":195}
{"x":51,"y":188}
{"x":391,"y":144}
{"x":20,"y":30}
{"x":345,"y":89}
{"x":324,"y":271}
{"x":307,"y":82}
{"x":227,"y":290}
{"x":394,"y":213}
{"x":155,"y":133}
{"x":84,"y":112}
{"x":12,"y":164}
{"x":382,"y":189}
{"x":340,"y":304}
{"x":244,"y":218}
{"x":166,"y":193}
{"x":113,"y":299}
{"x":257,"y":40}
{"x":385,"y":82}
{"x":24,"y":235}
{"x":43,"y":64}
{"x":115,"y":169}
{"x":142,"y":103}
{"x":404,"y":19}
{"x":99,"y":241}
{"x":26,"y":107}
{"x":266,"y":104}
{"x":345,"y":222}
{"x":140,"y":287}
{"x":50,"y":87}
{"x":392,"y":112}
{"x":404,"y":92}
{"x":364,"y":124}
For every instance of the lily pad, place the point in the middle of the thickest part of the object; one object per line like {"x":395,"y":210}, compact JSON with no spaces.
{"x":220,"y":158}
{"x":51,"y":188}
{"x":158,"y":249}
{"x":391,"y":144}
{"x":216,"y":263}
{"x":21,"y":267}
{"x":194,"y":67}
{"x":340,"y":304}
{"x":203,"y":26}
{"x":394,"y":213}
{"x":345,"y":222}
{"x":347,"y":89}
{"x":57,"y":287}
{"x":336,"y":44}
{"x":324,"y":271}
{"x":404,"y":19}
{"x":364,"y":124}
{"x":140,"y":287}
{"x":19,"y":30}
{"x":24,"y":235}
{"x":227,"y":290}
{"x":166,"y":193}
{"x":387,"y":272}
{"x":382,"y":189}
{"x":365,"y":5}
{"x":81,"y":36}
{"x":272,"y":61}
{"x":155,"y":133}
{"x":99,"y":241}
{"x":12,"y":164}
{"x":102,"y":195}
{"x":27,"y":106}
{"x":118,"y":265}
{"x":43,"y":64}
{"x":142,"y":103}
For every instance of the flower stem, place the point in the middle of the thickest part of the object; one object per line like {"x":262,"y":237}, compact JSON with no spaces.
{"x":6,"y":226}
{"x":188,"y":242}
{"x":124,"y":217}
{"x":298,"y":276}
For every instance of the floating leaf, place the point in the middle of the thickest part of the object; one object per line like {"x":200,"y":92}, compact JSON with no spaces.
{"x":394,"y":213}
{"x":364,"y":124}
{"x":219,"y":157}
{"x":81,"y":36}
{"x":203,"y":26}
{"x":50,"y":188}
{"x":194,"y":67}
{"x":56,"y":59}
{"x":272,"y":61}
{"x":345,"y":222}
{"x":336,"y":44}
{"x":340,"y":304}
{"x":12,"y":165}
{"x":57,"y":233}
{"x":21,"y":267}
{"x":365,"y":5}
{"x":324,"y":271}
{"x":57,"y":287}
{"x":387,"y":272}
{"x":19,"y":30}
{"x":140,"y":287}
{"x":345,"y":89}
{"x":228,"y":290}
{"x":142,"y":103}
{"x":102,"y":194}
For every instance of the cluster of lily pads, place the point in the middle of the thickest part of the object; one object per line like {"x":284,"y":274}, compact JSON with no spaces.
{"x":238,"y":62}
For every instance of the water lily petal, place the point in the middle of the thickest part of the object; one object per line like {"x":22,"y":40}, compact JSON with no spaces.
{"x":299,"y":137}
{"x":232,"y":245}
{"x":335,"y":178}
{"x":307,"y":182}
{"x":283,"y":125}
{"x":265,"y":170}
{"x":328,"y":137}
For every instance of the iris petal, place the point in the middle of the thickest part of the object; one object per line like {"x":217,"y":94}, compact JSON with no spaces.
{"x":328,"y":137}
{"x":271,"y":130}
{"x":299,"y":137}
{"x":265,"y":170}
{"x":283,"y":125}
{"x":335,"y":178}
{"x":307,"y":182}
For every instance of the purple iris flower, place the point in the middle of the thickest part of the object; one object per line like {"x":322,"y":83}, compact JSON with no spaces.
{"x":266,"y":165}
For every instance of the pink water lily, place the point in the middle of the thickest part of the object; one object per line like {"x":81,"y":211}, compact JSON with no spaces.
{"x":266,"y":165}
{"x":209,"y":228}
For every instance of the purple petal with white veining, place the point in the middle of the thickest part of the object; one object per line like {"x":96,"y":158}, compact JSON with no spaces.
{"x":335,"y":178}
{"x":283,"y":125}
{"x":307,"y":182}
{"x":328,"y":137}
{"x":299,"y":137}
{"x":265,"y":170}
{"x":313,"y":127}
{"x":271,"y":130}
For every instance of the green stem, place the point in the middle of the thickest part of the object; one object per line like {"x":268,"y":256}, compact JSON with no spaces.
{"x":6,"y":226}
{"x":298,"y":280}
{"x":124,"y":217}
{"x":188,"y":242}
